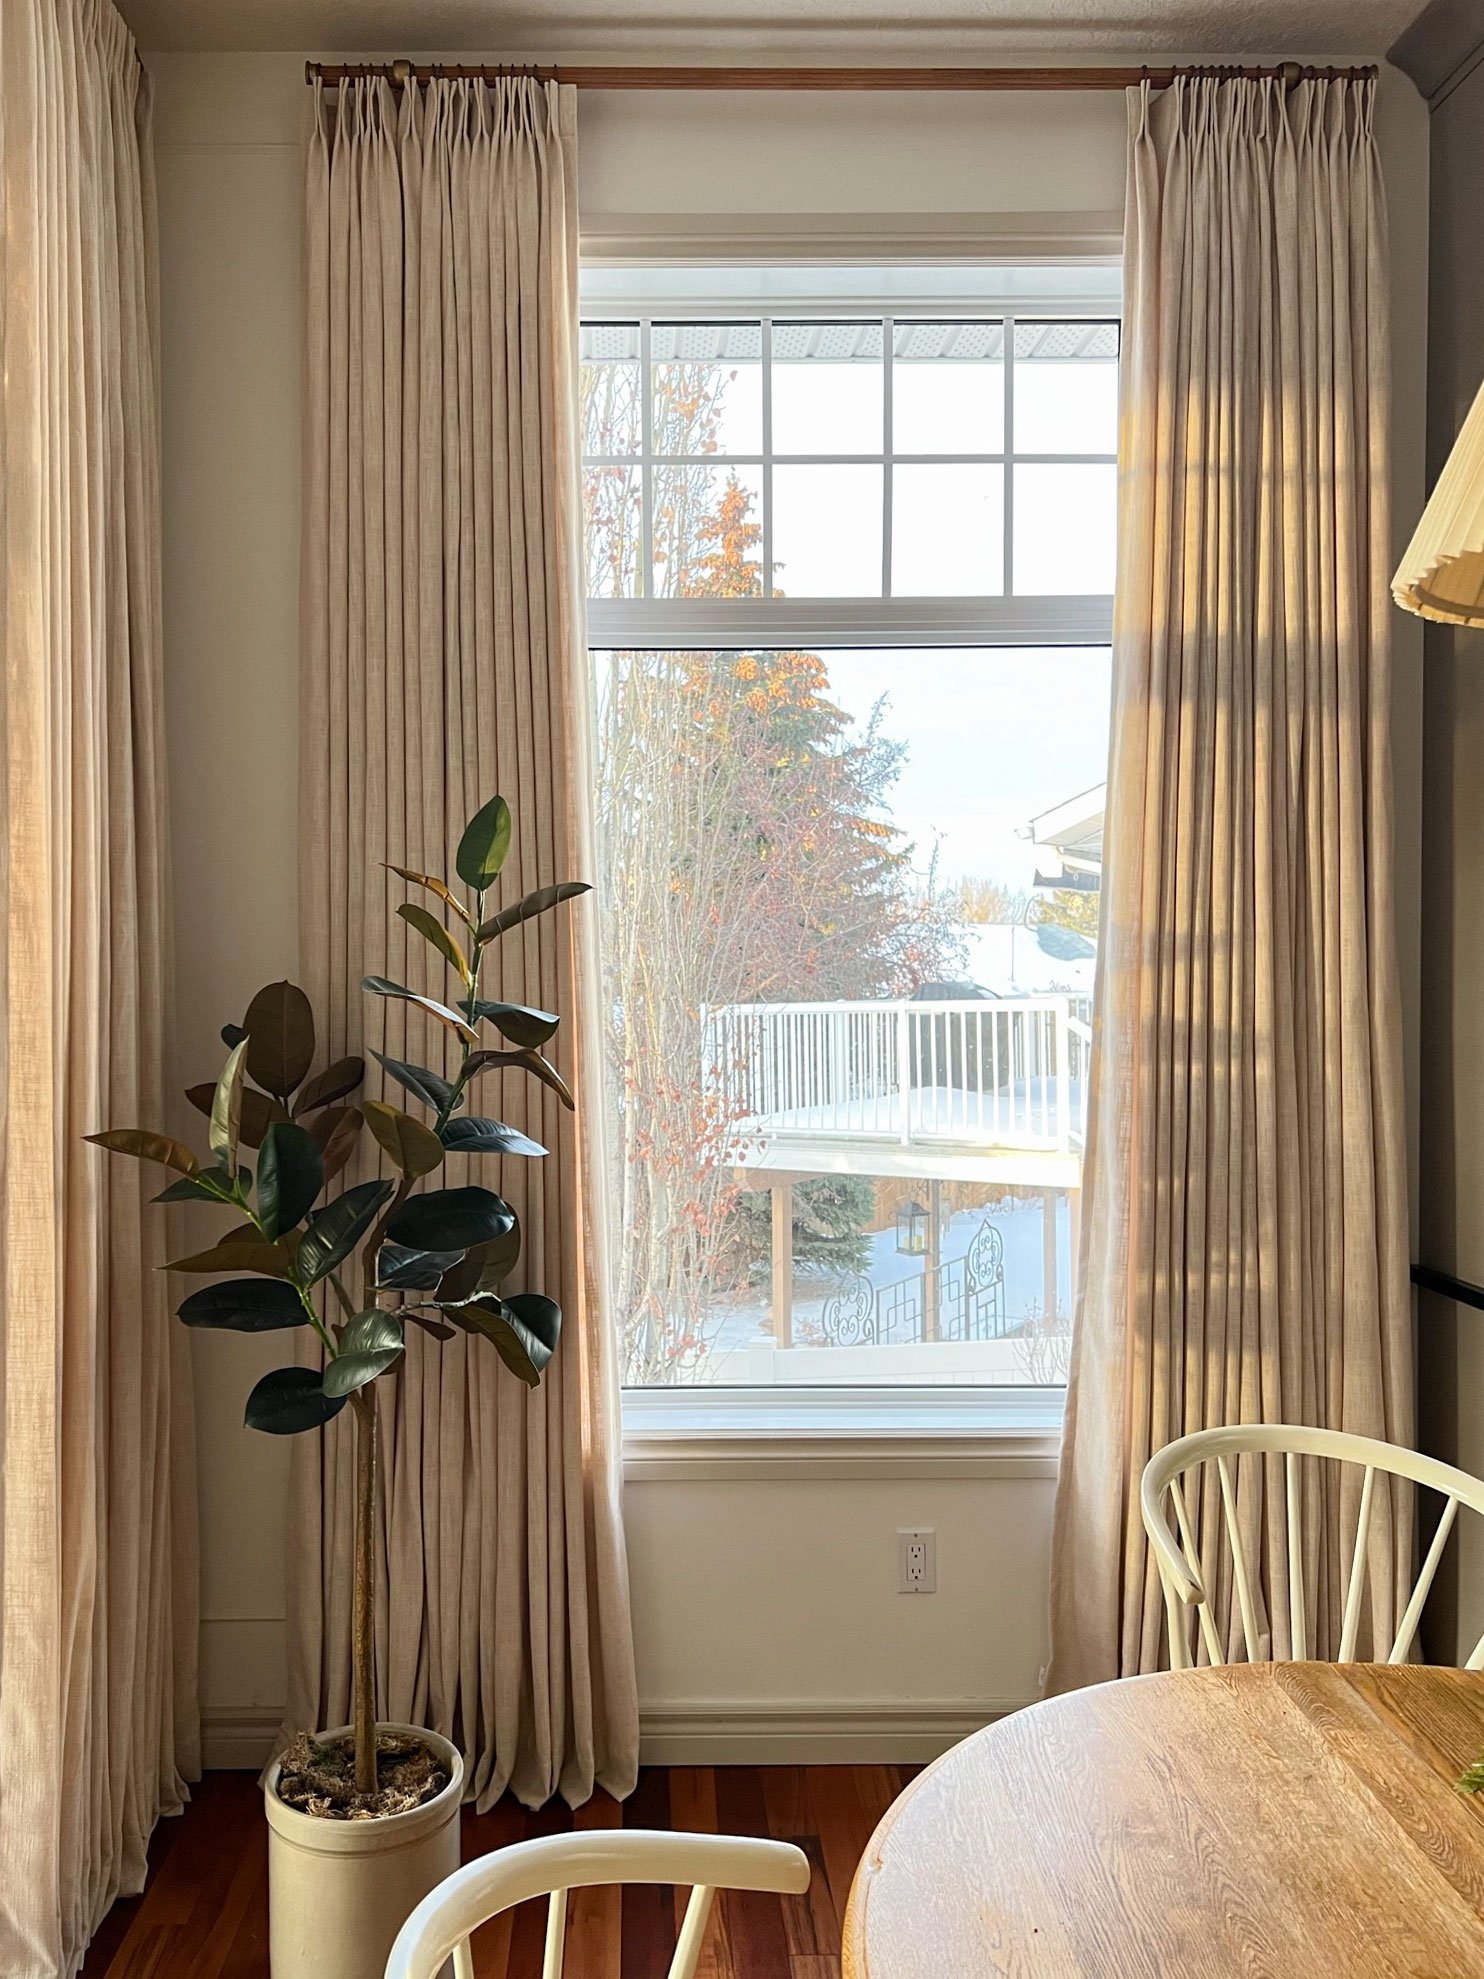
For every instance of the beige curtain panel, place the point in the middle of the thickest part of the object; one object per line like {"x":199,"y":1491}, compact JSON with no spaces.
{"x":444,"y":660}
{"x":1244,"y":1202}
{"x":97,"y":1473}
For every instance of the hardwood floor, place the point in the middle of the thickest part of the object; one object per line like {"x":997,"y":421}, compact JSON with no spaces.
{"x":204,"y":1911}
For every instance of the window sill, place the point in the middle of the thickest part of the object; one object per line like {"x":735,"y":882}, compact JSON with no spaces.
{"x":747,"y":1434}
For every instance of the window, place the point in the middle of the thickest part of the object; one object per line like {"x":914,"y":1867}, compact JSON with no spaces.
{"x":850,"y":543}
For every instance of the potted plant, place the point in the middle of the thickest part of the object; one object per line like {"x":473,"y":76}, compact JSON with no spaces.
{"x":364,"y":1818}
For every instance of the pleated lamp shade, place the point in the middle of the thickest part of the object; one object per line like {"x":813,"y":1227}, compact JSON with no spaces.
{"x":1442,"y":574}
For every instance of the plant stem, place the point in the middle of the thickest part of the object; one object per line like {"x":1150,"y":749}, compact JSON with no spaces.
{"x":363,"y":1708}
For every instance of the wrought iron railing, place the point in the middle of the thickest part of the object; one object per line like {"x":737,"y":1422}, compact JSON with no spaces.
{"x":960,"y":1299}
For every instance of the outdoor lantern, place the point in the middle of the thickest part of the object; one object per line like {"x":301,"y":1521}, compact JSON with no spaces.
{"x":912,"y":1222}
{"x":1442,"y":574}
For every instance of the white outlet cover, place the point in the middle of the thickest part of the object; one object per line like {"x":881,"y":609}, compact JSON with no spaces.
{"x":917,"y":1560}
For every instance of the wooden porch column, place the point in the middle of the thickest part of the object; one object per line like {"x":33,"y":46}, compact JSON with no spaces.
{"x":933,"y":1257}
{"x":1074,"y":1228}
{"x":1048,"y":1249}
{"x":782,"y":1312}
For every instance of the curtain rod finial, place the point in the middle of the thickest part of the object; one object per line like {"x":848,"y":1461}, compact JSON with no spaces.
{"x":309,"y":72}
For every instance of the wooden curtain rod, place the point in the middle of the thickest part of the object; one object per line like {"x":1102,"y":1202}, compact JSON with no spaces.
{"x":400,"y":73}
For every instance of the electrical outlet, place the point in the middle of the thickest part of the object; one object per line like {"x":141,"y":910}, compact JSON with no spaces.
{"x":917,"y":1560}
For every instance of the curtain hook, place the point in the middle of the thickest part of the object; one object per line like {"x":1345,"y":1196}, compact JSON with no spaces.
{"x":401,"y":72}
{"x":1292,"y":74}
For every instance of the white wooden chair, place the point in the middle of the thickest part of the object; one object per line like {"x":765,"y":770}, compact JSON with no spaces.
{"x":1178,"y":1557}
{"x":554,"y":1864}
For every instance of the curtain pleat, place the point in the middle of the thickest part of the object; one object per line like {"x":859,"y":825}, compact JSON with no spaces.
{"x":98,"y":1717}
{"x":1244,"y":1202}
{"x":444,"y":660}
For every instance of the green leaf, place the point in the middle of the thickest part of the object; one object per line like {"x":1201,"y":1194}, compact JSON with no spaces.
{"x":483,"y":847}
{"x":384,"y":986}
{"x":450,"y":1219}
{"x":207,"y":1185}
{"x":291,"y":1174}
{"x":518,"y":1022}
{"x":471,"y":1135}
{"x":414,"y":1149}
{"x":399,"y":1269}
{"x":291,"y":1399}
{"x":258,"y":1111}
{"x":226,"y":1109}
{"x":333,"y":1234}
{"x":336,"y":1131}
{"x":529,"y":1061}
{"x":369,"y":1344}
{"x":434,"y":1326}
{"x":145,"y":1146}
{"x":245,"y":1305}
{"x":530,"y":906}
{"x":436,"y":886}
{"x":480,"y":1271}
{"x":232,"y":1035}
{"x":280,"y":1037}
{"x":333,"y":1083}
{"x":523,"y":1330}
{"x":430,"y":1087}
{"x":433,"y":930}
{"x":241,"y":1249}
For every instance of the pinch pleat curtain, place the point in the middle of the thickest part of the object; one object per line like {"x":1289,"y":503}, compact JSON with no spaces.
{"x":444,"y":660}
{"x":1244,"y":1204}
{"x":98,"y":1721}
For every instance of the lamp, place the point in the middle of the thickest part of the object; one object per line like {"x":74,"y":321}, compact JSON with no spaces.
{"x":1442,"y":574}
{"x":912,"y":1221}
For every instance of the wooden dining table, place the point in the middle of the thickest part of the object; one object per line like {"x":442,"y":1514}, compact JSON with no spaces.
{"x":1273,"y":1821}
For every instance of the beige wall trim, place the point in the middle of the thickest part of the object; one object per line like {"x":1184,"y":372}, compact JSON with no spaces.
{"x":717,"y":1459}
{"x":808,"y":1733}
{"x":658,"y":238}
{"x":238,"y":1738}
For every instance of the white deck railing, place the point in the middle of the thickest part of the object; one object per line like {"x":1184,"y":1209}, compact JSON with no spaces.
{"x":1008,"y":1073}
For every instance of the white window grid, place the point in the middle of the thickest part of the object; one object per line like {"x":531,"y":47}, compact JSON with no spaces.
{"x":1006,"y":618}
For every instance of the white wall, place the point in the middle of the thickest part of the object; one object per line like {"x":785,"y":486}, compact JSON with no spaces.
{"x":764,"y":1595}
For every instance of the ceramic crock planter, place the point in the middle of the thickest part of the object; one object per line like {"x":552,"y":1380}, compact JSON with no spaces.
{"x":339,"y":1891}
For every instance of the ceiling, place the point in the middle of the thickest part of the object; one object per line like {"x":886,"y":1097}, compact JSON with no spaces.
{"x":845,"y":30}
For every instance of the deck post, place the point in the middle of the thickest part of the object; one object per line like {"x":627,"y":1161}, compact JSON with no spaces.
{"x":782,"y":1313}
{"x":932,"y":1258}
{"x":1074,"y":1231}
{"x":1048,"y":1251}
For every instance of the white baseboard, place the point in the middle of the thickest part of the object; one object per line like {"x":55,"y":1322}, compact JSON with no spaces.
{"x":808,"y":1733}
{"x":783,"y":1733}
{"x":238,"y":1738}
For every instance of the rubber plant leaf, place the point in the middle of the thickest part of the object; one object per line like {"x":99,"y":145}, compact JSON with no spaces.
{"x":433,"y":885}
{"x":291,"y":1173}
{"x":450,"y":1219}
{"x":291,"y":1399}
{"x":529,"y":906}
{"x":369,"y":1344}
{"x":523,"y":1336}
{"x":224,"y":1128}
{"x":471,"y":1135}
{"x":432,"y":929}
{"x":232,"y":1034}
{"x":145,"y":1146}
{"x":529,"y":1061}
{"x":483,"y":847}
{"x":245,"y":1305}
{"x":333,"y":1083}
{"x":258,"y":1111}
{"x":241,"y":1249}
{"x":334,"y":1232}
{"x":207,"y":1185}
{"x":280,"y":1038}
{"x":336,"y":1130}
{"x":384,"y":986}
{"x":430,"y":1087}
{"x":399,"y":1269}
{"x":414,"y":1149}
{"x":518,"y":1022}
{"x":480,"y":1271}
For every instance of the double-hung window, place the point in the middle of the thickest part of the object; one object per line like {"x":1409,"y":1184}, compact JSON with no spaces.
{"x":850,"y":548}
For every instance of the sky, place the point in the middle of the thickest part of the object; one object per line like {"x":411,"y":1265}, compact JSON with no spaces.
{"x":994,"y":735}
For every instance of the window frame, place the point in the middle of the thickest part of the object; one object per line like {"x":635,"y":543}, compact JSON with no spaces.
{"x":844,"y":1430}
